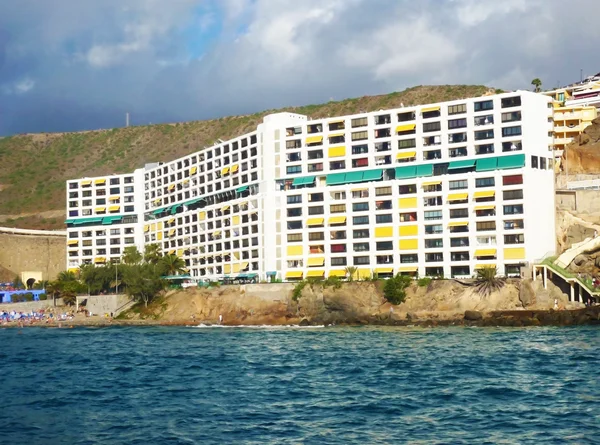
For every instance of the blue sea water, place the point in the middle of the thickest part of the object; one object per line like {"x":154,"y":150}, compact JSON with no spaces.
{"x":363,"y":385}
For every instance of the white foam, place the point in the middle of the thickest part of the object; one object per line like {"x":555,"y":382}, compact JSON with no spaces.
{"x":262,"y":326}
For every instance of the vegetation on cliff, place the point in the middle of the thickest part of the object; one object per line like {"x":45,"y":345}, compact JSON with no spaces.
{"x":36,"y":166}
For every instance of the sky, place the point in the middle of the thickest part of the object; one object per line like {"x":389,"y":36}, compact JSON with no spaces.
{"x":69,"y":65}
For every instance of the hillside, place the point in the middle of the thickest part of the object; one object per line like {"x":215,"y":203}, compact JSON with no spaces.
{"x":35,"y":166}
{"x":582,"y":156}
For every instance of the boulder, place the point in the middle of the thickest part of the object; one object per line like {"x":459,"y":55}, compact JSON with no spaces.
{"x":527,"y":293}
{"x":473,"y":315}
{"x":304,"y":322}
{"x":580,"y":260}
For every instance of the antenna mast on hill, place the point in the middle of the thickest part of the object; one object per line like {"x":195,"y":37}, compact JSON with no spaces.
{"x":127,"y":119}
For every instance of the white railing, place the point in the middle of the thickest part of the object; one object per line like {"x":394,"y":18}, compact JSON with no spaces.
{"x":13,"y":231}
{"x":582,"y":185}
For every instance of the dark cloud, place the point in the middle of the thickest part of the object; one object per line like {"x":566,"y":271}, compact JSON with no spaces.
{"x":70,"y":65}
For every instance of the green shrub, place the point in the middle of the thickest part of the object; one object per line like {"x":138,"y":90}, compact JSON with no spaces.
{"x":214,"y":284}
{"x":394,"y":289}
{"x":424,"y":282}
{"x":28,"y":296}
{"x":297,"y":292}
{"x":43,"y":297}
{"x":333,"y":281}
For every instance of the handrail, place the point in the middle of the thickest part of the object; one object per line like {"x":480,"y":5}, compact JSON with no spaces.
{"x":15,"y":231}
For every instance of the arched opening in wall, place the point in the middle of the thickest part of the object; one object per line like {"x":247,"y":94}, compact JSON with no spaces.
{"x":30,"y":282}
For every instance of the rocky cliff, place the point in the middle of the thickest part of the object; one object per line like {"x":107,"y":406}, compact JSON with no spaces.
{"x":582,"y":156}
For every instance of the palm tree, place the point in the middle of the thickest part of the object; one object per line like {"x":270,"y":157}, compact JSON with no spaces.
{"x":131,"y":255}
{"x":173,"y":265}
{"x":351,"y":272}
{"x":152,"y":253}
{"x":487,"y":281}
{"x":537,"y":83}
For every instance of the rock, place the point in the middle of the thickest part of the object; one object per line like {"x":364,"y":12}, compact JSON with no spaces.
{"x":410,"y":316}
{"x":304,"y":322}
{"x":597,"y":262}
{"x":527,"y":293}
{"x":473,"y":315}
{"x":580,"y":260}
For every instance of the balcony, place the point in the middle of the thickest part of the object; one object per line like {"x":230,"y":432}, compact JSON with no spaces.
{"x":315,"y":128}
{"x":485,"y":149}
{"x":432,"y":154}
{"x":383,"y":146}
{"x":433,"y":201}
{"x":432,"y":140}
{"x":457,"y":138}
{"x":383,"y":160}
{"x":383,"y":133}
{"x":458,"y":152}
{"x":484,"y":120}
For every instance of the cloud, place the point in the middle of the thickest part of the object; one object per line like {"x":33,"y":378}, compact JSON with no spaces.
{"x":197,"y":59}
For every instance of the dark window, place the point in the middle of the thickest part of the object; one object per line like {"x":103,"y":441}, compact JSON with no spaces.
{"x":512,"y":180}
{"x":508,"y":102}
{"x":485,"y":182}
{"x":484,"y":105}
{"x":457,"y":123}
{"x":431,"y":126}
{"x":511,"y":131}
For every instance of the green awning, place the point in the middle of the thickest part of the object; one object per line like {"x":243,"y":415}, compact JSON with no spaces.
{"x":156,"y":212}
{"x":174,"y":209}
{"x":242,"y":189}
{"x":241,"y":276}
{"x":87,"y":220}
{"x":193,"y":201}
{"x":176,"y":277}
{"x":335,"y":178}
{"x":69,"y":221}
{"x":251,"y":275}
{"x":406,"y":172}
{"x":353,"y":177}
{"x":271,"y":274}
{"x":308,"y":180}
{"x":110,"y":219}
{"x":465,"y":163}
{"x":373,"y":175}
{"x":425,"y":170}
{"x":486,"y":164}
{"x":513,"y":161}
{"x":298,"y":181}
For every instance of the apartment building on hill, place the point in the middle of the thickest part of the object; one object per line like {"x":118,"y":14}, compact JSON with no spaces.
{"x":438,"y":190}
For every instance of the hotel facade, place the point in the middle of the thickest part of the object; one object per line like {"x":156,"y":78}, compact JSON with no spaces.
{"x":433,"y":190}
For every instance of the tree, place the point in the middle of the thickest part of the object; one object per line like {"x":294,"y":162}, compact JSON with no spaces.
{"x":131,"y":255}
{"x":152,"y":254}
{"x":66,"y":276}
{"x":172,"y":265}
{"x":537,"y":83}
{"x":18,"y":283}
{"x":351,"y":272}
{"x":487,"y":281}
{"x":143,"y":283}
{"x":394,"y":290}
{"x":97,"y":279}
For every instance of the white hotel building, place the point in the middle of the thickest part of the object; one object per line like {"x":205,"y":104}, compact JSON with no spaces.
{"x":440,"y":189}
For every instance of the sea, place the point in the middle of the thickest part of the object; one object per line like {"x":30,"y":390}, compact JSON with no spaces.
{"x":292,"y":385}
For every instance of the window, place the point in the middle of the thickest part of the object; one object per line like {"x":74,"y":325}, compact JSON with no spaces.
{"x":362,"y":162}
{"x":406,"y":116}
{"x":128,"y":189}
{"x":460,"y":271}
{"x":457,"y":109}
{"x":294,"y":225}
{"x":483,"y":120}
{"x":292,"y":213}
{"x":316,"y":210}
{"x":514,"y":239}
{"x":383,"y":191}
{"x":360,"y":135}
{"x":459,"y":256}
{"x":431,"y":215}
{"x":436,"y":242}
{"x":316,"y":236}
{"x":407,"y":189}
{"x":457,"y":152}
{"x":360,"y":149}
{"x":458,"y":185}
{"x":359,"y":220}
{"x":293,"y":169}
{"x":512,"y":116}
{"x":434,"y":257}
{"x":434,"y":229}
{"x":337,"y":165}
{"x":361,"y":260}
{"x":338,"y":261}
{"x":382,"y":219}
{"x":459,"y":242}
{"x":512,"y":194}
{"x":337,"y":208}
{"x":457,"y":123}
{"x":542,"y":163}
{"x":294,"y":199}
{"x":360,"y":206}
{"x":512,"y":180}
{"x":484,"y":105}
{"x":294,"y":238}
{"x":431,"y":126}
{"x":484,"y":134}
{"x":407,"y":143}
{"x":534,"y":162}
{"x":409,"y":258}
{"x":359,"y":122}
{"x":515,"y":224}
{"x":385,"y":245}
{"x":457,"y":138}
{"x":408,"y":217}
{"x":508,"y":102}
{"x":360,"y":247}
{"x":459,"y":213}
{"x":487,"y":225}
{"x":511,"y":131}
{"x":113,"y":232}
{"x":485,"y":182}
{"x":362,"y":233}
{"x":357,"y":194}
{"x":513,"y":209}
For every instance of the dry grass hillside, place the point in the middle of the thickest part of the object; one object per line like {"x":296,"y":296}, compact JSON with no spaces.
{"x":35,"y":166}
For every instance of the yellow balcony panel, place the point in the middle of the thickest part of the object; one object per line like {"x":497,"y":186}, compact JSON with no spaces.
{"x":293,"y":274}
{"x":99,"y":260}
{"x":217,"y":233}
{"x":116,"y":198}
{"x":224,"y":208}
{"x":425,"y":184}
{"x":458,"y":224}
{"x":407,"y":203}
{"x":114,"y":208}
{"x":235,"y":220}
{"x":335,"y":152}
{"x":315,"y":221}
{"x":429,"y":109}
{"x":484,"y":266}
{"x":171,"y":221}
{"x":384,"y":270}
{"x":485,"y":252}
{"x":336,"y":135}
{"x":146,"y":228}
{"x":236,"y":268}
{"x":314,"y":139}
{"x":316,"y":261}
{"x":225,"y":171}
{"x":159,"y":225}
{"x":72,"y":242}
{"x":193,"y":170}
{"x":407,"y":127}
{"x":409,"y":244}
{"x":486,"y":207}
{"x":236,"y":255}
{"x":514,"y":253}
{"x":409,"y":230}
{"x":484,"y":194}
{"x":336,"y":122}
{"x":171,"y":252}
{"x":179,"y":252}
{"x":100,"y":181}
{"x":100,"y":209}
{"x":364,"y":274}
{"x":227,"y":268}
{"x":159,"y":236}
{"x":337,"y":220}
{"x":294,"y":251}
{"x":171,"y":187}
{"x":235,"y":168}
{"x":458,"y":196}
{"x":202,"y":216}
{"x":244,"y":265}
{"x":86,"y":182}
{"x":74,"y":270}
{"x":409,"y":269}
{"x":384,"y":232}
{"x":406,"y":154}
{"x":315,"y":273}
{"x":153,"y":227}
{"x":340,"y":273}
{"x":185,"y":181}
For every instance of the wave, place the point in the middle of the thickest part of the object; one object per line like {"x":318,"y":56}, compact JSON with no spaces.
{"x":262,"y":326}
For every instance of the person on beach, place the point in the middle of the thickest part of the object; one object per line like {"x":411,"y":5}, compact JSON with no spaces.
{"x":220,"y":319}
{"x":556,"y":304}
